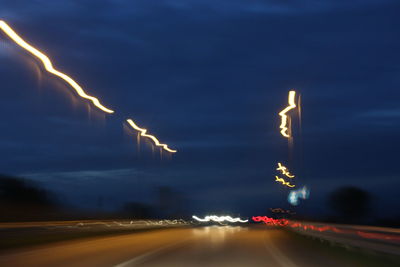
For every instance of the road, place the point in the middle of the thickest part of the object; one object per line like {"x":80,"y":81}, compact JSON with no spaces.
{"x":202,"y":246}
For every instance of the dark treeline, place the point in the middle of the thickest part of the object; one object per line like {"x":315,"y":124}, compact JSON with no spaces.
{"x":169,"y":204}
{"x":353,"y":205}
{"x":350,"y":205}
{"x":24,"y":200}
{"x":21,"y":199}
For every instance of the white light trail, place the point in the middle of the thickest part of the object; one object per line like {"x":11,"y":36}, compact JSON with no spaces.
{"x":219,"y":219}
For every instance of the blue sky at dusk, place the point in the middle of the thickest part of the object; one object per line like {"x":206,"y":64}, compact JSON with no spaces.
{"x":208,"y":78}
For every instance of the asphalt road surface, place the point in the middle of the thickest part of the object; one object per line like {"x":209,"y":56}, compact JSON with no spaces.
{"x":204,"y":246}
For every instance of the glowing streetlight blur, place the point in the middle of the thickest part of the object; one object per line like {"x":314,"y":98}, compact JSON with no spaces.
{"x":49,"y":66}
{"x":155,"y":140}
{"x":294,"y":195}
{"x":281,"y":180}
{"x":284,"y":117}
{"x":284,"y":170}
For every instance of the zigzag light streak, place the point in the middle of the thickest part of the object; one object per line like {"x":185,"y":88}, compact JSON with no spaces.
{"x":284,"y":117}
{"x":49,"y":66}
{"x":155,"y":140}
{"x":284,"y":170}
{"x":219,"y":219}
{"x":283,"y":182}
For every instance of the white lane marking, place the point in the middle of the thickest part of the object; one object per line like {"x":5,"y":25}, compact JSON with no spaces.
{"x":146,"y":256}
{"x":277,"y":254}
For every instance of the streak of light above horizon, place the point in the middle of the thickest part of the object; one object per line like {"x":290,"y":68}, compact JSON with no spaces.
{"x":284,"y":170}
{"x":49,"y":66}
{"x":155,"y":140}
{"x":284,"y":117}
{"x":281,"y":180}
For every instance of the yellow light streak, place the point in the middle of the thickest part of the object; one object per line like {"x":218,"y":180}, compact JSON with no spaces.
{"x":155,"y":140}
{"x":49,"y":66}
{"x":281,"y":180}
{"x":284,"y":117}
{"x":284,"y":171}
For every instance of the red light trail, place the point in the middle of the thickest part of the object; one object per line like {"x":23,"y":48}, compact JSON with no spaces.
{"x":363,"y":234}
{"x":270,"y":221}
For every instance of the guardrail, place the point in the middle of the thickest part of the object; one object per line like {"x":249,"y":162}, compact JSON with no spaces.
{"x":379,"y":239}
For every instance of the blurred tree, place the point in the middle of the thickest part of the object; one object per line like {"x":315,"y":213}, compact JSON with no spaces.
{"x":136,"y":210}
{"x":171,"y":203}
{"x":350,"y":202}
{"x":19,"y":191}
{"x":21,"y":199}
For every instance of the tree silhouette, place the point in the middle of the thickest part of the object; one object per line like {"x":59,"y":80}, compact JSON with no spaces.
{"x":350,"y":202}
{"x":19,"y":191}
{"x":22,"y":199}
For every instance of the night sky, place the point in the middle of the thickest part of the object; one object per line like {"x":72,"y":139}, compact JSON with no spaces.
{"x":208,"y":78}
